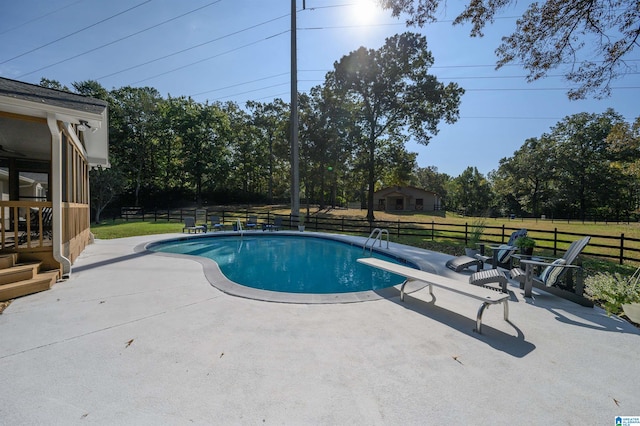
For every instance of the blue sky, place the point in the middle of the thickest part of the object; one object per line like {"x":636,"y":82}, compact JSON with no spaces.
{"x":239,"y":50}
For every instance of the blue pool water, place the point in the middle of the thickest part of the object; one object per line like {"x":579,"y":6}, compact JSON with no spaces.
{"x":288,"y":263}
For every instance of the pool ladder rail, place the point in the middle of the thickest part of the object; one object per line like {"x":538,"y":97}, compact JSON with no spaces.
{"x":239,"y":227}
{"x":376,"y":235}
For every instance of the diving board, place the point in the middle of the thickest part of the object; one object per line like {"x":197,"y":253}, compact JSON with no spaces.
{"x":487,"y":296}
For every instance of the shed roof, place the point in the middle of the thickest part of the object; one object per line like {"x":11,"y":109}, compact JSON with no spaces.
{"x":402,"y":190}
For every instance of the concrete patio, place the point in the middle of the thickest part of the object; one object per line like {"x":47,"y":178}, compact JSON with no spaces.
{"x":139,"y":338}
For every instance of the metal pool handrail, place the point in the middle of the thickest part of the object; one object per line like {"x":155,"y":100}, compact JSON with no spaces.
{"x":378,"y":237}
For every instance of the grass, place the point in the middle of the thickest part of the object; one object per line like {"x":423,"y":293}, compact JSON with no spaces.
{"x":119,"y":229}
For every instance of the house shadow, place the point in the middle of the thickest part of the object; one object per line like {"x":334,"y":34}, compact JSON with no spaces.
{"x":516,"y":346}
{"x":109,"y":261}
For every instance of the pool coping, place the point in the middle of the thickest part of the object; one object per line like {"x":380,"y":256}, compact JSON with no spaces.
{"x":218,"y":280}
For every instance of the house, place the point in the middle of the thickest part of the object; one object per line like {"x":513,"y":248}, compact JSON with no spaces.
{"x":49,"y":140}
{"x":406,"y":198}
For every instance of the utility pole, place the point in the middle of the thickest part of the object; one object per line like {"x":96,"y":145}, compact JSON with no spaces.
{"x":295,"y":160}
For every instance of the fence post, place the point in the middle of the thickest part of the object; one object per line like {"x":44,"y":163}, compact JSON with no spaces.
{"x":398,"y":228}
{"x":621,"y":248}
{"x":342,"y":225}
{"x":432,"y":229}
{"x":503,"y":233}
{"x":466,"y":233}
{"x":555,"y":241}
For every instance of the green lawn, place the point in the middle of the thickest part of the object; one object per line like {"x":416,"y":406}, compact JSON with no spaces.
{"x":119,"y":229}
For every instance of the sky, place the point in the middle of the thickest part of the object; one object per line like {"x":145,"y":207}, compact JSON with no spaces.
{"x":240,"y":50}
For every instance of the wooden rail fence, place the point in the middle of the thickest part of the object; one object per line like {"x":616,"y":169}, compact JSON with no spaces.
{"x":619,"y":248}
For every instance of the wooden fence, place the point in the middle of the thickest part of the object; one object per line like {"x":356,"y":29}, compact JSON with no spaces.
{"x":619,"y":248}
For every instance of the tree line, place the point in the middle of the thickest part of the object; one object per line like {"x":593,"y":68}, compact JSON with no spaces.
{"x":586,"y":166}
{"x":173,"y":151}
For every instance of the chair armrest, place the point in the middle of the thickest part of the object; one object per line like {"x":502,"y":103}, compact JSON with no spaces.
{"x":525,"y":256}
{"x":539,"y":263}
{"x":522,"y":257}
{"x":502,"y":246}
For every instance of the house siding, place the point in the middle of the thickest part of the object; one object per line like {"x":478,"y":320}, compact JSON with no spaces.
{"x":42,"y":125}
{"x":406,"y":198}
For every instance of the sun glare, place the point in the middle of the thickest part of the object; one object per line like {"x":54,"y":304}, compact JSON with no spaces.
{"x":364,"y":11}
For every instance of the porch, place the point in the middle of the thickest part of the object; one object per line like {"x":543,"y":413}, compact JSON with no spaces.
{"x":27,"y":260}
{"x":26,"y":228}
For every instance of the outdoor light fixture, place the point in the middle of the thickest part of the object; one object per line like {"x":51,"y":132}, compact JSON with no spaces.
{"x":83,"y":126}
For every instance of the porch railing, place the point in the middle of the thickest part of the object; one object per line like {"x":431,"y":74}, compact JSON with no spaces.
{"x":25,"y":225}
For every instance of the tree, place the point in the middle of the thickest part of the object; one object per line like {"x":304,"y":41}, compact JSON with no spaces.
{"x":91,"y":88}
{"x":472,"y":192}
{"x":105,"y":185}
{"x":170,"y":161}
{"x":271,"y":123}
{"x":133,"y":135}
{"x":624,"y":141}
{"x":394,"y":97}
{"x":593,"y":36}
{"x":53,"y":84}
{"x":624,"y":147}
{"x":523,"y":181}
{"x":325,"y":147}
{"x":396,"y":165}
{"x":430,"y":179}
{"x":584,"y":180}
{"x":203,"y":131}
{"x":249,"y":153}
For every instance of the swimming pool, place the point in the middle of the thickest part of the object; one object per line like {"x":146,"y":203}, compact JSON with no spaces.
{"x":288,"y":263}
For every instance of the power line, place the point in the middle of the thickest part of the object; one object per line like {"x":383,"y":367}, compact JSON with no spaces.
{"x":59,"y":9}
{"x":258,"y":41}
{"x":472,"y":77}
{"x":75,"y":32}
{"x":342,"y":27}
{"x":509,"y":118}
{"x":193,"y":47}
{"x":92,"y":50}
{"x":205,"y":59}
{"x":541,"y":89}
{"x":516,"y":89}
{"x":468,"y":90}
{"x":277,"y":95}
{"x":240,"y":84}
{"x":208,"y":58}
{"x":254,"y":90}
{"x":508,"y":76}
{"x":331,"y":6}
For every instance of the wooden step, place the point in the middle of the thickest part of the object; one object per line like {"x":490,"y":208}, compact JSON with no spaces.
{"x":8,"y":260}
{"x":20,"y":272}
{"x":43,"y":281}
